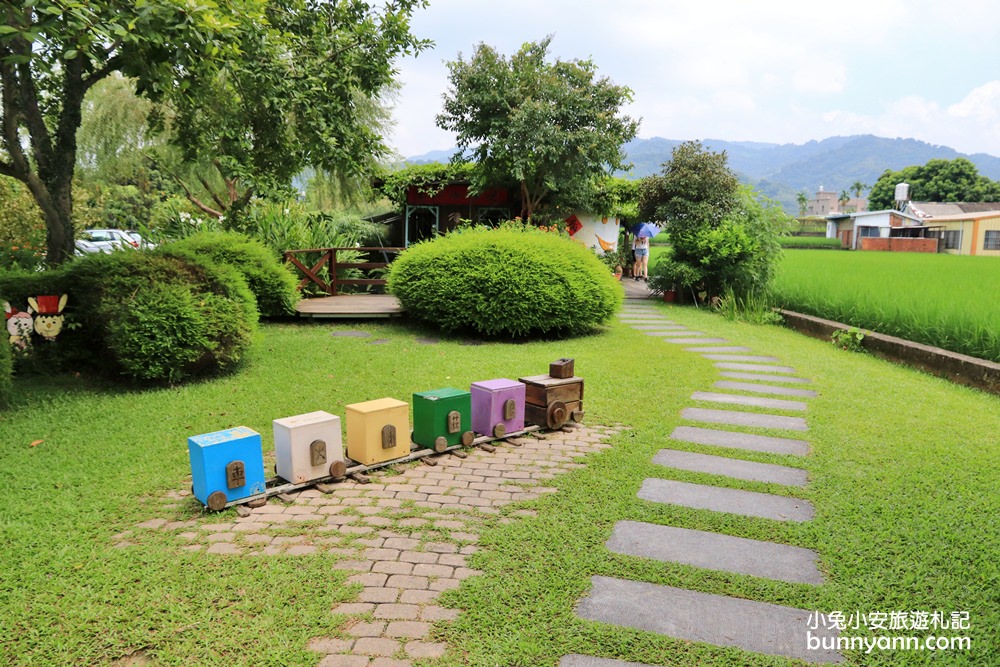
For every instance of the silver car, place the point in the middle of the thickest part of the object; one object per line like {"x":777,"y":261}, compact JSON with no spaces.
{"x":104,"y":240}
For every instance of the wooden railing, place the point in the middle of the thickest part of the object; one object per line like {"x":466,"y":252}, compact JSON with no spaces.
{"x":328,"y":257}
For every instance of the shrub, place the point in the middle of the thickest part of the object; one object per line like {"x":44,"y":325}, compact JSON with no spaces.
{"x":510,"y":282}
{"x":162,"y":316}
{"x":6,"y":372}
{"x":810,"y":242}
{"x":271,"y":282}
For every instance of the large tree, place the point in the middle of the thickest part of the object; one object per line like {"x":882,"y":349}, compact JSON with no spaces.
{"x":939,"y":180}
{"x":258,"y":88}
{"x":552,"y":129}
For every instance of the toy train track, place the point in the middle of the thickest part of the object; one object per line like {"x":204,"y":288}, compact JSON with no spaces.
{"x":277,"y":486}
{"x":227,"y":467}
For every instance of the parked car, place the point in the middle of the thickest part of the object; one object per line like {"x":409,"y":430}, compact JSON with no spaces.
{"x":104,"y":240}
{"x":137,"y":237}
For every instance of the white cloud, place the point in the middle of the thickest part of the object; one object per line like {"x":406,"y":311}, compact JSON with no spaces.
{"x":772,"y":70}
{"x":981,"y":105}
{"x":971,"y":125}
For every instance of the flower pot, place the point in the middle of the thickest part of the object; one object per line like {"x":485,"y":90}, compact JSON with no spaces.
{"x":670,"y":295}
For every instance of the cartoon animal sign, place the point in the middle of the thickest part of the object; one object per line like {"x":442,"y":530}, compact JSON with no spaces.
{"x":49,"y":318}
{"x":19,"y":326}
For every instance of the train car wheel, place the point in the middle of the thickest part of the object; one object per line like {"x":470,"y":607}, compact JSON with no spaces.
{"x":217,"y":501}
{"x":338,"y":469}
{"x":556,"y":415}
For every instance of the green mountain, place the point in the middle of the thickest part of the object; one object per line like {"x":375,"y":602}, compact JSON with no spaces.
{"x":781,"y":171}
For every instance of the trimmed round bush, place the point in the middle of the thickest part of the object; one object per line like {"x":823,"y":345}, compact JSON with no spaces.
{"x":511,"y":282}
{"x":271,"y":282}
{"x":162,"y":316}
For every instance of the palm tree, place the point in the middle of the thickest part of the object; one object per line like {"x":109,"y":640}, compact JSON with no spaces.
{"x":857,"y":188}
{"x":803,"y":203}
{"x":844,"y":198}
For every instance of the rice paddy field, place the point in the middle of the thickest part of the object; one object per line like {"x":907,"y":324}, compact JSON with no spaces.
{"x":948,"y":301}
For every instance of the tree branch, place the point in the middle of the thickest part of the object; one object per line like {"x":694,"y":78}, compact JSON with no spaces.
{"x":215,"y":197}
{"x":18,"y":165}
{"x":187,"y":192}
{"x":113,"y":64}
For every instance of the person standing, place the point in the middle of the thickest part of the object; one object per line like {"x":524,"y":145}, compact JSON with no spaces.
{"x":640,"y":248}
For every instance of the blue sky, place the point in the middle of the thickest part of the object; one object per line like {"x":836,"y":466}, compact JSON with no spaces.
{"x":781,"y":71}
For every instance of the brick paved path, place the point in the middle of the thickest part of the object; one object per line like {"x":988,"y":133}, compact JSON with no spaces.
{"x":405,"y":536}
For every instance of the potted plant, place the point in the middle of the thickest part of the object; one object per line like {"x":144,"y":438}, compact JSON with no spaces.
{"x":668,"y":278}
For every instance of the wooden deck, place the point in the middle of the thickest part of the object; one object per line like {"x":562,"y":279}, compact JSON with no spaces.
{"x":360,"y":306}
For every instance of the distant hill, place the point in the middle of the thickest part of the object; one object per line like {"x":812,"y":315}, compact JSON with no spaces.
{"x":781,"y":171}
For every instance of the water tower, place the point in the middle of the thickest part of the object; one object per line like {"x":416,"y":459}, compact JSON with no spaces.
{"x":902,"y":195}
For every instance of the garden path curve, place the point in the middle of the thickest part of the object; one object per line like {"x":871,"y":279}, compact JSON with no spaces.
{"x":720,"y":620}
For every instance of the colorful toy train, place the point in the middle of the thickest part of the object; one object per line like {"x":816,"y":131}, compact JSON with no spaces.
{"x":227,"y":467}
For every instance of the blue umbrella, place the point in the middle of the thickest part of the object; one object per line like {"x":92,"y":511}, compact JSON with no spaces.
{"x":645,"y":229}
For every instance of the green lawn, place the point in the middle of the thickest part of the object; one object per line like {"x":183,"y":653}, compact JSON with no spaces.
{"x":903,"y":476}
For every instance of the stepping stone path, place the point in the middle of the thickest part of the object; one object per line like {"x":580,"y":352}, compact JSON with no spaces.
{"x":721,"y":620}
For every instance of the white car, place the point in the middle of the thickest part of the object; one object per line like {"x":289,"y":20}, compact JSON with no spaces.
{"x":104,"y":240}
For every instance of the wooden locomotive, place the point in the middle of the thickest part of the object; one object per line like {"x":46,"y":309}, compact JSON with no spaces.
{"x":553,"y":400}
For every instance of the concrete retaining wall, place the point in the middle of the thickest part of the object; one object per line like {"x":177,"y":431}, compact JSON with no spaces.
{"x":959,"y":368}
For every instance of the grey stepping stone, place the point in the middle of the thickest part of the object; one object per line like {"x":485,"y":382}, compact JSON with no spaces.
{"x":731,"y":366}
{"x":678,"y":331}
{"x":692,"y":341}
{"x":704,"y":617}
{"x":764,"y":389}
{"x":741,"y":357}
{"x":755,"y":401}
{"x":577,"y":660}
{"x":723,"y":499}
{"x":730,"y":467}
{"x":379,"y":341}
{"x":650,"y":322}
{"x":719,"y":348}
{"x":713,"y":551}
{"x":734,"y":440}
{"x":351,"y":333}
{"x":737,"y":418}
{"x":428,"y":341}
{"x":765,"y":378}
{"x":666,"y":326}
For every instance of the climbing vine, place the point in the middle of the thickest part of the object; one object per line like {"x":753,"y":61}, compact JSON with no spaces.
{"x":429,"y":179}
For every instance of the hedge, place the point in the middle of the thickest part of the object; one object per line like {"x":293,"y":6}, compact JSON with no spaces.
{"x":272,"y":284}
{"x":162,"y":316}
{"x":511,"y":282}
